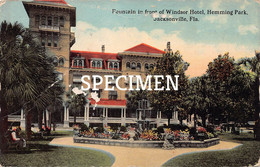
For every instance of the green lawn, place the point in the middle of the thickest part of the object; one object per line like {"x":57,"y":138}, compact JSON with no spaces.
{"x":245,"y":155}
{"x":42,"y":154}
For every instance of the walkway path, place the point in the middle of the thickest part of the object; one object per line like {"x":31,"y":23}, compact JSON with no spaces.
{"x":141,"y":157}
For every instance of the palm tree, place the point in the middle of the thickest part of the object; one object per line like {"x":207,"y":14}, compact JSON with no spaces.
{"x":26,"y":74}
{"x":254,"y":65}
{"x":8,"y":46}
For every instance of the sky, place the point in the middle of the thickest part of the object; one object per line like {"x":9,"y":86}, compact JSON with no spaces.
{"x":198,"y":41}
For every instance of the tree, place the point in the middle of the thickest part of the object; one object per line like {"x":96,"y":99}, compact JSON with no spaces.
{"x":196,"y":100}
{"x":169,"y":64}
{"x":25,"y":75}
{"x":76,"y":102}
{"x":254,"y":65}
{"x":230,"y":90}
{"x":134,"y":97}
{"x":56,"y":102}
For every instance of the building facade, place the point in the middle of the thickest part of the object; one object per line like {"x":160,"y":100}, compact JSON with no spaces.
{"x":112,"y":108}
{"x":50,"y":21}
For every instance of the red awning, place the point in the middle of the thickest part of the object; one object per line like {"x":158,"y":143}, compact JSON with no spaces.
{"x":108,"y":102}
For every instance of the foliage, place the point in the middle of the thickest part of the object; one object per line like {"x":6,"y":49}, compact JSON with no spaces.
{"x":178,"y":127}
{"x":134,"y":97}
{"x":167,"y":101}
{"x":231,"y":89}
{"x":253,"y":64}
{"x":76,"y":102}
{"x":160,"y":129}
{"x":202,"y":130}
{"x":196,"y":100}
{"x":123,"y":129}
{"x":99,"y":129}
{"x":84,"y":127}
{"x":27,"y":74}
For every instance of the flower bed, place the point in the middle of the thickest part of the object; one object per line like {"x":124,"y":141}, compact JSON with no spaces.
{"x":146,"y":144}
{"x":131,"y":137}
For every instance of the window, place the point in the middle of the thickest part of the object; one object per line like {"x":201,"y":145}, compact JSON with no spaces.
{"x":112,"y":95}
{"x":55,"y":61}
{"x":61,"y":61}
{"x":116,"y":65}
{"x":49,"y":39}
{"x":146,"y":66}
{"x":43,"y":20}
{"x":139,"y":66}
{"x":62,"y":21}
{"x":55,"y":39}
{"x":128,"y":65}
{"x":99,"y":64}
{"x":93,"y":64}
{"x":133,"y":66}
{"x":74,"y":63}
{"x":55,"y":21}
{"x":80,"y":63}
{"x":49,"y":21}
{"x":111,"y":65}
{"x":151,"y":66}
{"x":37,"y":20}
{"x":43,"y":39}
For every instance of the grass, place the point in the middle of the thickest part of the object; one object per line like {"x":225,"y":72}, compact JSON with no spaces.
{"x":42,"y":154}
{"x":245,"y":155}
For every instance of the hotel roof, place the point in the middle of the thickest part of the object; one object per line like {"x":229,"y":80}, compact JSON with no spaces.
{"x":100,"y":55}
{"x":144,"y":48}
{"x":53,"y":1}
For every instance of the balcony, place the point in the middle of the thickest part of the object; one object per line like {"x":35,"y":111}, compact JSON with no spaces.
{"x":49,"y":28}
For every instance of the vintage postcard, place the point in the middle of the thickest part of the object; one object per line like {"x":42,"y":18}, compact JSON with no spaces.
{"x":129,"y":83}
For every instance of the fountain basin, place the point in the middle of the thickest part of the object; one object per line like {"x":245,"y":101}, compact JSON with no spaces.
{"x":146,"y":144}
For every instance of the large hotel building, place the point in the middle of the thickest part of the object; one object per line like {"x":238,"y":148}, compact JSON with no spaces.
{"x":51,"y":21}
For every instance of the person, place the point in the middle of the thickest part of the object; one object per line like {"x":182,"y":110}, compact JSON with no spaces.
{"x":21,"y":142}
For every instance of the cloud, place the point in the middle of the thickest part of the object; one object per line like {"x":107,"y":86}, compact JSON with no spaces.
{"x":215,"y":5}
{"x":83,"y":26}
{"x":245,"y":4}
{"x":221,"y":19}
{"x":2,"y":2}
{"x":91,"y":38}
{"x":244,"y":29}
{"x":257,"y":1}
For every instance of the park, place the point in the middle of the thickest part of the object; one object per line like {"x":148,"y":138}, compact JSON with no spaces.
{"x":140,"y":106}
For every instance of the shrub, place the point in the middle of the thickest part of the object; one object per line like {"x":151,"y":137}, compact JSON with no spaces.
{"x":99,"y":129}
{"x":160,"y":129}
{"x":202,"y":130}
{"x":123,"y":129}
{"x":210,"y":129}
{"x":178,"y":127}
{"x":114,"y":127}
{"x":193,"y":131}
{"x":84,"y":127}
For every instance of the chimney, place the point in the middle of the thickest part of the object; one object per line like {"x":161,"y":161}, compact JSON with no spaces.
{"x":168,"y":46}
{"x":103,"y":48}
